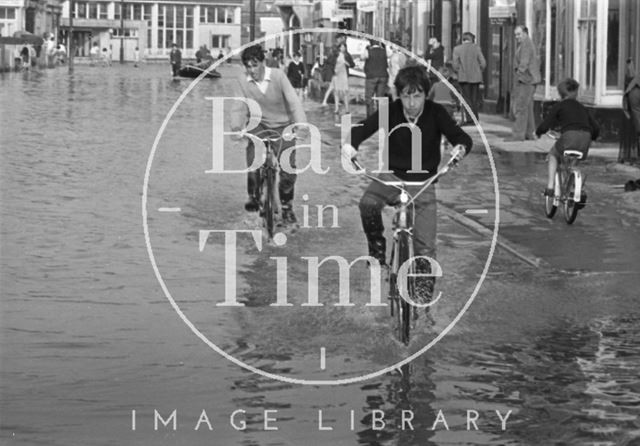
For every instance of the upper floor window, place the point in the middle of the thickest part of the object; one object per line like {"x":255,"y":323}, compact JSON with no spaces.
{"x":7,"y":13}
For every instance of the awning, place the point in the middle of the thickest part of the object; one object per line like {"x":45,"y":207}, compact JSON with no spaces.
{"x":27,"y":37}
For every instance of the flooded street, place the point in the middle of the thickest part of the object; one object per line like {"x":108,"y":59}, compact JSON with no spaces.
{"x":91,"y":346}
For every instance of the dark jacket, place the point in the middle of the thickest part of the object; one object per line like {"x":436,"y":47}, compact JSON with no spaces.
{"x":569,"y":114}
{"x":175,"y":57}
{"x":434,"y":122}
{"x":376,"y":63}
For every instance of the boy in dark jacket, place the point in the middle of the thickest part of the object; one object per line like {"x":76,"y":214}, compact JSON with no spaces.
{"x":576,"y":125}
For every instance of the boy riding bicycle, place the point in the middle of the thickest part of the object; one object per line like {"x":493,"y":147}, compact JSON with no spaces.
{"x":280,"y":107}
{"x":412,"y":112}
{"x":576,"y":125}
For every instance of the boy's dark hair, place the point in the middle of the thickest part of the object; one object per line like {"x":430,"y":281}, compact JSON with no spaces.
{"x":412,"y":78}
{"x":568,"y":88}
{"x":253,"y":53}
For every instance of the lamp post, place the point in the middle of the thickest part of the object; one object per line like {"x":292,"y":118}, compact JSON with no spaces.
{"x":252,"y":20}
{"x":121,"y":31}
{"x":70,"y":46}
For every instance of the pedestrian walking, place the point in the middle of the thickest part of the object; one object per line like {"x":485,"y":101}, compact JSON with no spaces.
{"x":328,"y":69}
{"x":376,"y":74}
{"x":296,"y":74}
{"x":94,"y":54}
{"x":434,"y":57}
{"x":527,"y":75}
{"x":469,"y":64}
{"x":175,"y":59}
{"x":136,"y":57}
{"x":343,"y":61}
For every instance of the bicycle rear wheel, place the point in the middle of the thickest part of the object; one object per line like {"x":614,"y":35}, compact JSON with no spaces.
{"x":268,"y":203}
{"x":570,"y":205}
{"x":404,"y":308}
{"x":550,"y":203}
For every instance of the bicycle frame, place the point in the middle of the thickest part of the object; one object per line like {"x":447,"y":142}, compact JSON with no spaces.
{"x":402,"y":226}
{"x":268,"y":180}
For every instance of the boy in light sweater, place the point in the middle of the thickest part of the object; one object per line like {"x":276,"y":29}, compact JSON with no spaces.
{"x":280,"y":107}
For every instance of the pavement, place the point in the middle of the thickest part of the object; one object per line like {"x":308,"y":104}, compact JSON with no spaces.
{"x":496,"y":128}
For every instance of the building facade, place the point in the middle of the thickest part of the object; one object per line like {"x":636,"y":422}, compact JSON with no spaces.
{"x":153,"y":26}
{"x":39,"y":17}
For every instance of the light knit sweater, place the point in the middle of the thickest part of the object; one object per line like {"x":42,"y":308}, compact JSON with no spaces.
{"x":280,"y":105}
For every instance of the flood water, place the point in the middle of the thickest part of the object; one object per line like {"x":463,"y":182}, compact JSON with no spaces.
{"x":91,"y":346}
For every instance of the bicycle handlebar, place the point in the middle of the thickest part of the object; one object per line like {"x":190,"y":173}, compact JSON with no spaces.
{"x":453,"y":161}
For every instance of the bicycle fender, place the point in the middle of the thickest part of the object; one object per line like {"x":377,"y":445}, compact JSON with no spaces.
{"x":577,"y":192}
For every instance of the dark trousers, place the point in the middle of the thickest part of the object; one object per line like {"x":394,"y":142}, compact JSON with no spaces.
{"x":287,"y":181}
{"x":175,"y":67}
{"x":471,"y":94}
{"x":374,"y":87}
{"x":377,"y":196}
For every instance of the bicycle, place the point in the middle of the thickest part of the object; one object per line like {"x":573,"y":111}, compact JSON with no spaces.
{"x":268,"y":174}
{"x":568,"y":187}
{"x":402,"y":249}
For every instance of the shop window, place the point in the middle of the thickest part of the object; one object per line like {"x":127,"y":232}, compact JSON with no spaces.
{"x":587,"y":25}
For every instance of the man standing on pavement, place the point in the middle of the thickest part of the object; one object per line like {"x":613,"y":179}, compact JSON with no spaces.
{"x":175,"y":59}
{"x":469,"y":63}
{"x":527,"y":75}
{"x":375,"y":71}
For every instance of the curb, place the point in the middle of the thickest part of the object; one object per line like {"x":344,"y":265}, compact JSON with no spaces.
{"x":508,"y":246}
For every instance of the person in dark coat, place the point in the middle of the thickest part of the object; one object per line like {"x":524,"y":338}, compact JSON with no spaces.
{"x":175,"y":59}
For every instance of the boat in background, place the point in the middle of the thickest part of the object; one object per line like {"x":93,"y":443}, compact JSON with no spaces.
{"x":193,"y":71}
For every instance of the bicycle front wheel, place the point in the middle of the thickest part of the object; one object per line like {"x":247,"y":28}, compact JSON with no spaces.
{"x":570,"y":205}
{"x":268,"y":202}
{"x":404,"y":308}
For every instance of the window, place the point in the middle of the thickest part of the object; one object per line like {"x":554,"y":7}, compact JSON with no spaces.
{"x":93,"y":10}
{"x":102,"y":10}
{"x":137,"y":11}
{"x":229,"y":17}
{"x":175,"y":24}
{"x":218,"y":41}
{"x":587,"y":49}
{"x":81,"y":10}
{"x":116,"y":13}
{"x":219,"y":14}
{"x":8,"y":13}
{"x":614,"y":70}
